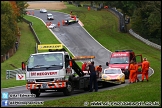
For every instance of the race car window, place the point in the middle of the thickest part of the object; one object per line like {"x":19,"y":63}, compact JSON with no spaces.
{"x":112,"y":71}
{"x":49,"y":15}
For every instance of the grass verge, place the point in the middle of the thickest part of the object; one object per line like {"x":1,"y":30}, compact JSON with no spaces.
{"x":107,"y":34}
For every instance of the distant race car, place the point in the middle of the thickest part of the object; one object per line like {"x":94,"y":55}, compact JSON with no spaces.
{"x":113,"y":75}
{"x":43,"y":11}
{"x":71,"y":21}
{"x":50,"y":16}
{"x":52,"y":26}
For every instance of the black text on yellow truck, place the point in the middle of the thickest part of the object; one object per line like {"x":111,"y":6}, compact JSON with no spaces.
{"x":54,"y":71}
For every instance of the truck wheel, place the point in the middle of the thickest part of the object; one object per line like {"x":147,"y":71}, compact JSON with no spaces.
{"x":36,"y":92}
{"x":87,"y":88}
{"x":69,"y":89}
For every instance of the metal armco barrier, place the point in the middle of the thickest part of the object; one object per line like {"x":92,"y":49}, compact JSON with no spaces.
{"x":120,"y":17}
{"x":12,"y":73}
{"x":144,"y":40}
{"x":33,"y":31}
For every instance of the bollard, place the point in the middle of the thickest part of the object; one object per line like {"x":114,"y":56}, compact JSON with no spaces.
{"x":58,"y":24}
{"x":33,"y":13}
{"x":63,"y":22}
{"x":88,"y":8}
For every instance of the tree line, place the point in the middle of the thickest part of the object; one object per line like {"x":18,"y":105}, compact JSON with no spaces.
{"x":145,"y":16}
{"x":12,"y":13}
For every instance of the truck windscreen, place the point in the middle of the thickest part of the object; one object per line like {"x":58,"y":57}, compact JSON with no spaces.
{"x":45,"y":61}
{"x":119,"y":60}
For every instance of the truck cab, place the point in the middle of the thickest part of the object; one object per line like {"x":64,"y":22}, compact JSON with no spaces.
{"x":122,"y":58}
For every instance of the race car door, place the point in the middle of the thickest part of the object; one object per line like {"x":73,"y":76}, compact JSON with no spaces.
{"x":138,"y":59}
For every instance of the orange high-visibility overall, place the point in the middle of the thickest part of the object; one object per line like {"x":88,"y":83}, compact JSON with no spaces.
{"x":98,"y":70}
{"x":136,"y":73}
{"x":84,"y":66}
{"x":132,"y":73}
{"x":145,"y":68}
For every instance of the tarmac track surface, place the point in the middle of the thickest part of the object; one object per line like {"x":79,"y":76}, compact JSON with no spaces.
{"x":79,"y":42}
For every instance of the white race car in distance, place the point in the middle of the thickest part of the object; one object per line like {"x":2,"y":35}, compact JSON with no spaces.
{"x":50,"y":16}
{"x":52,"y":26}
{"x":43,"y":11}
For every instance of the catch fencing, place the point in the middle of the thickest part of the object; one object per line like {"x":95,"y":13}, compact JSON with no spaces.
{"x":120,"y":17}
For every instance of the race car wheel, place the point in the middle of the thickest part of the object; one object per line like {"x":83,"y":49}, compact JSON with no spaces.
{"x":126,"y":74}
{"x":123,"y":82}
{"x":69,"y":89}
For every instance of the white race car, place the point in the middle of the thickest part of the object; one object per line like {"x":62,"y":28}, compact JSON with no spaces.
{"x":71,"y":21}
{"x":43,"y":11}
{"x":50,"y":16}
{"x":52,"y":26}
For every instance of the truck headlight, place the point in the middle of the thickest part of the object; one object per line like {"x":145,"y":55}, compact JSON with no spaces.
{"x":31,"y":81}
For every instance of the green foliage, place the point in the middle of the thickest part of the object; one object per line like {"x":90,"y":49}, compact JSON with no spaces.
{"x":145,"y":17}
{"x":7,"y":29}
{"x":7,"y":36}
{"x":11,"y":12}
{"x":146,"y":21}
{"x":22,"y":5}
{"x":6,"y":7}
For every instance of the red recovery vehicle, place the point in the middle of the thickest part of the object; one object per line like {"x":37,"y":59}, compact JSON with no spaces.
{"x":121,"y":59}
